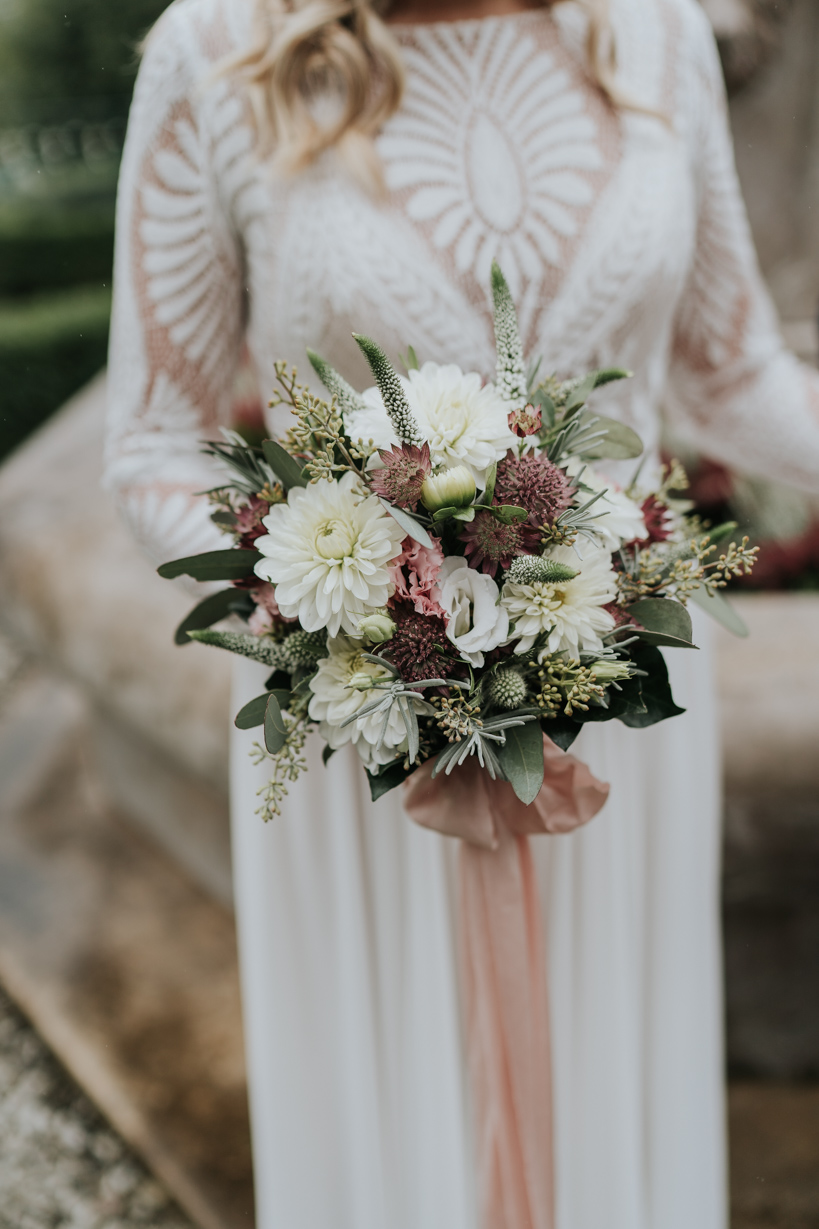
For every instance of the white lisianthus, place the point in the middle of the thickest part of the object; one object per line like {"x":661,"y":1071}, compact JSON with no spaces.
{"x":569,"y":612}
{"x":618,"y":518}
{"x":334,"y":700}
{"x":464,"y":421}
{"x":327,"y":551}
{"x":476,"y":623}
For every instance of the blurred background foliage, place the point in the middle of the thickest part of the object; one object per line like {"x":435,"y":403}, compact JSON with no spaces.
{"x":67,"y":69}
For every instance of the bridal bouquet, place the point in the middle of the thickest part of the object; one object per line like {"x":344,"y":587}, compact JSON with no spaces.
{"x":433,"y":569}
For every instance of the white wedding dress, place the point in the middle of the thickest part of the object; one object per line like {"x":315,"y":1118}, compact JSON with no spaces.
{"x":624,"y":241}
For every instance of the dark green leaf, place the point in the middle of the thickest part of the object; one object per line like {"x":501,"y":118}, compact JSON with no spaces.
{"x":654,"y":688}
{"x":718,"y":608}
{"x":327,"y":753}
{"x":287,"y":469}
{"x":464,"y":514}
{"x":489,"y":488}
{"x":212,"y":565}
{"x":620,"y":443}
{"x":443,"y":514}
{"x":275,"y":730}
{"x":279,"y":680}
{"x":408,"y":524}
{"x":521,"y":758}
{"x":211,"y":610}
{"x":252,"y":714}
{"x":562,"y":730}
{"x":388,"y":778}
{"x":666,"y":622}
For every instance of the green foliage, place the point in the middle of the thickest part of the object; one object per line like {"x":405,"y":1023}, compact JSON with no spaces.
{"x":76,"y":56}
{"x":212,"y":565}
{"x":286,"y":469}
{"x":665,"y":622}
{"x":521,"y":758}
{"x":53,"y":244}
{"x":387,"y":778}
{"x":50,"y":346}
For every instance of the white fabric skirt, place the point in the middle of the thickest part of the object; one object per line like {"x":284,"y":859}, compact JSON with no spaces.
{"x":359,"y":1094}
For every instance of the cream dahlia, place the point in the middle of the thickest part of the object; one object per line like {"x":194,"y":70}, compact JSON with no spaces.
{"x":464,"y":421}
{"x":618,"y":518}
{"x":569,"y":612}
{"x":327,"y":551}
{"x":334,"y":701}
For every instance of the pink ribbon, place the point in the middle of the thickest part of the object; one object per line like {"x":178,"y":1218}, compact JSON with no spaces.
{"x":504,"y":967}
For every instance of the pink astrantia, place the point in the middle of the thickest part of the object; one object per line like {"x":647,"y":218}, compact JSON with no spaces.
{"x":405,"y":468}
{"x":415,"y":572}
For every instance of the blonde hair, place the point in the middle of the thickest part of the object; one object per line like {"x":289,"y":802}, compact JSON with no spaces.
{"x":327,"y":74}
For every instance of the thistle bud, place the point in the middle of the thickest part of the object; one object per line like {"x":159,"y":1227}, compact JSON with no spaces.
{"x":377,"y":627}
{"x":454,"y":488}
{"x":507,"y":688}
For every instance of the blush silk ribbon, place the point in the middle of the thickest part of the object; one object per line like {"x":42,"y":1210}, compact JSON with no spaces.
{"x":504,"y":967}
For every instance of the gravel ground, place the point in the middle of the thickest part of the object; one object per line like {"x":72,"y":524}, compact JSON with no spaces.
{"x":61,"y":1165}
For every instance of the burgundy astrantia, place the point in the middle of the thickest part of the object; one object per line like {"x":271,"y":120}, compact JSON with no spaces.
{"x":491,"y":544}
{"x":534,"y":483}
{"x":412,"y":649}
{"x":401,"y":479}
{"x":658,"y":520}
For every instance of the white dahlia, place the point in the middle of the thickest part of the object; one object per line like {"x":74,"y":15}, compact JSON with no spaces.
{"x":464,"y":421}
{"x":569,"y":612}
{"x":618,"y":518}
{"x":334,"y":701}
{"x":327,"y":551}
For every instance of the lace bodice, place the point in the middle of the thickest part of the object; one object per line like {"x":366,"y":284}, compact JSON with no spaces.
{"x":623,"y":237}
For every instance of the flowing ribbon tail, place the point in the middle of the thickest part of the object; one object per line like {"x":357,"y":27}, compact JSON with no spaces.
{"x":507,"y":1022}
{"x":504,"y":968}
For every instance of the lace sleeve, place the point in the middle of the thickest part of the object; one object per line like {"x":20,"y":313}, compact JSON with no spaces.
{"x":178,"y":308}
{"x":734,"y":389}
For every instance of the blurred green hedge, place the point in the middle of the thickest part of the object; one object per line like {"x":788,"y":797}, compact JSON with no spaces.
{"x":50,"y":345}
{"x":52,"y":248}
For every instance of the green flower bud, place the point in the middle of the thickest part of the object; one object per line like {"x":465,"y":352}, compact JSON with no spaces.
{"x":361,"y":681}
{"x":453,"y":488}
{"x":377,"y":627}
{"x":534,"y":569}
{"x":610,"y":671}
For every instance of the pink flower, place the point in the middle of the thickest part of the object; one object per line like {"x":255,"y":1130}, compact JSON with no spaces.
{"x":404,"y":469}
{"x":527,"y":421}
{"x":415,"y":572}
{"x":267,"y":614}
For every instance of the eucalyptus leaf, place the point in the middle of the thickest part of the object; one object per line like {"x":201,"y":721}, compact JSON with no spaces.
{"x":409,"y":524}
{"x":521,"y":758}
{"x":661,"y":614}
{"x":212,"y":565}
{"x":663,"y":640}
{"x":287,"y":468}
{"x":720,"y":609}
{"x":252,"y":713}
{"x":275,"y":730}
{"x":211,"y":610}
{"x":620,"y":442}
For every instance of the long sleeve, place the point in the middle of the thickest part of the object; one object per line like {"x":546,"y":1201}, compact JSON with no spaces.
{"x":178,"y":296}
{"x":734,"y":389}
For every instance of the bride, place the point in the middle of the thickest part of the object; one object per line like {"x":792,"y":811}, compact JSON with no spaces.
{"x":295,"y":172}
